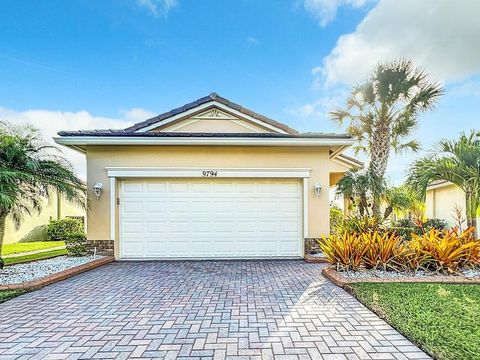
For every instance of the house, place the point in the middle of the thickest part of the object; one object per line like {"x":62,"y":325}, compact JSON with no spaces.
{"x":34,"y":226}
{"x":445,"y":200}
{"x":210,"y":179}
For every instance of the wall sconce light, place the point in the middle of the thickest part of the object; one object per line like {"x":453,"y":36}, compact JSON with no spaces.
{"x":98,"y":189}
{"x":318,"y":189}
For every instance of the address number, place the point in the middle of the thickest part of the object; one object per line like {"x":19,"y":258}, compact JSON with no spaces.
{"x":209,"y":173}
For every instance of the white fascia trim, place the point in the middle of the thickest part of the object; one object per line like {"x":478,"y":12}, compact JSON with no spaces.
{"x":195,"y":172}
{"x":207,"y":105}
{"x":438,"y":186}
{"x":305,"y":213}
{"x":346,"y":162}
{"x":113,"y":207}
{"x":227,"y":141}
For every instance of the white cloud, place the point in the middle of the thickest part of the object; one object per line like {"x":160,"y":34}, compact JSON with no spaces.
{"x":324,"y":11}
{"x":439,"y":35}
{"x":50,"y":122}
{"x":252,"y":40}
{"x":136,"y":114}
{"x":158,"y":7}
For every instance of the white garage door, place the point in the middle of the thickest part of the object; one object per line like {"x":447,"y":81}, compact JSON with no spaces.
{"x":210,"y":218}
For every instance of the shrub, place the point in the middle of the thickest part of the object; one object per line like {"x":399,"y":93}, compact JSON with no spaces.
{"x":365,"y":224}
{"x":406,"y":227}
{"x":58,"y":230}
{"x":75,"y":243}
{"x":336,"y":219}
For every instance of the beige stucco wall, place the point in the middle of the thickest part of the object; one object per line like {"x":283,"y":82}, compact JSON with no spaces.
{"x":441,"y":202}
{"x":31,"y":226}
{"x":220,"y":126}
{"x":210,"y":157}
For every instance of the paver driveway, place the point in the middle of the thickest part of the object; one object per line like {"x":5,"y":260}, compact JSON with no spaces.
{"x":212,"y":309}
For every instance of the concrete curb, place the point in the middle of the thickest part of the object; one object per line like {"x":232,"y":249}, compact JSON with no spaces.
{"x":62,"y":275}
{"x":335,"y":277}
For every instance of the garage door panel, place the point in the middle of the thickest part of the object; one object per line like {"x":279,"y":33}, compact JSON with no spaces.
{"x":210,"y":218}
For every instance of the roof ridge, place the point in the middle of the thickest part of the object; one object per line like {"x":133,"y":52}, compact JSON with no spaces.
{"x":213,"y":96}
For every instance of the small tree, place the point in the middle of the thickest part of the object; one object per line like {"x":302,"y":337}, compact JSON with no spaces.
{"x":383,"y":111}
{"x":456,"y":161}
{"x":30,"y":172}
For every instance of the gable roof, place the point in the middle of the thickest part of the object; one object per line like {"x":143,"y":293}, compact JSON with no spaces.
{"x":213,"y":97}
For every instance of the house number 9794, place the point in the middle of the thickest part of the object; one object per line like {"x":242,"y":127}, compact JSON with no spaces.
{"x":209,"y":173}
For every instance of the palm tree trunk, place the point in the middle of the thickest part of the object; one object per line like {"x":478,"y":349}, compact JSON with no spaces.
{"x":471,"y":208}
{"x":380,"y":152}
{"x":3,"y":220}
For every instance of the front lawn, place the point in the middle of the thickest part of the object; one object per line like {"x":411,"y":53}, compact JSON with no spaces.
{"x":10,"y":294}
{"x":18,"y":248}
{"x":34,"y":257}
{"x":442,"y":319}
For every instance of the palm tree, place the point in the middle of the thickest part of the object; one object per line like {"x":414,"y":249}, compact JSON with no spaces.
{"x":400,"y":199}
{"x":30,"y":172}
{"x":383,"y":111}
{"x":356,"y":186}
{"x":456,"y":161}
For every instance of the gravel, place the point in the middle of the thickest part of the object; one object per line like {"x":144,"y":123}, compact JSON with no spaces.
{"x":472,"y":273}
{"x":20,"y":273}
{"x":363,"y":274}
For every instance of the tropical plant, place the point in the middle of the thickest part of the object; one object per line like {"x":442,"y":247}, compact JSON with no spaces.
{"x":456,"y":161}
{"x":357,"y":185}
{"x":383,"y":111}
{"x":343,"y":250}
{"x":441,"y":251}
{"x":445,"y":251}
{"x":383,"y":250}
{"x":400,"y":199}
{"x":30,"y":172}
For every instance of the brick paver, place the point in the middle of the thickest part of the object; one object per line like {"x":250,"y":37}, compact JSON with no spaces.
{"x":197,"y":310}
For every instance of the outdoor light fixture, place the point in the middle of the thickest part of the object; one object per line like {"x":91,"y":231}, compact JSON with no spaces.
{"x":98,"y":189}
{"x":318,"y":189}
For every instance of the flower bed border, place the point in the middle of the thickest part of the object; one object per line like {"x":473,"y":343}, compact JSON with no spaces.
{"x":59,"y":276}
{"x":314,"y":259}
{"x":336,"y":277}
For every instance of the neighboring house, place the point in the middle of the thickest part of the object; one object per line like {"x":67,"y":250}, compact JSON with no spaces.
{"x":444,"y":200}
{"x":33,"y":227}
{"x":210,"y":179}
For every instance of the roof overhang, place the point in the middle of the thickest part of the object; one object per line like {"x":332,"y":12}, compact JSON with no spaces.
{"x":80,"y":142}
{"x":438,"y":185}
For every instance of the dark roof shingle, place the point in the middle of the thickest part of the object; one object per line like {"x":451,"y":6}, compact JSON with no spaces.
{"x":204,"y":100}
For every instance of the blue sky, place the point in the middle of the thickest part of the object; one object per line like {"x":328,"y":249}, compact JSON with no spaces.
{"x":79,"y":64}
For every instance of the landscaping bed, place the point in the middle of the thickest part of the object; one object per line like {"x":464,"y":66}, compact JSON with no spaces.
{"x":346,"y":278}
{"x":37,"y":274}
{"x":442,"y":319}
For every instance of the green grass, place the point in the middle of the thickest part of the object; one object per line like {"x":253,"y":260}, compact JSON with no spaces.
{"x":18,"y":248}
{"x":10,"y":294}
{"x":33,"y":257}
{"x":442,"y":319}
